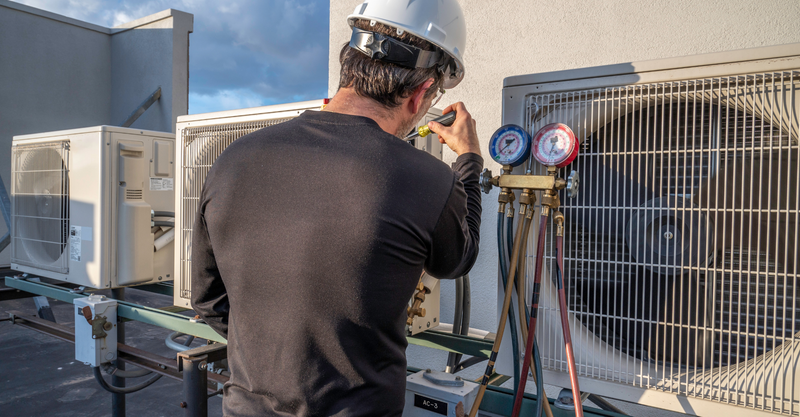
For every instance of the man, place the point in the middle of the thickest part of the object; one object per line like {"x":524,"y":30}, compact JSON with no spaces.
{"x":312,"y":234}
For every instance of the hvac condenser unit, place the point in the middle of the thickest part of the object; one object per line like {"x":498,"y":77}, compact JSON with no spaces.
{"x":83,"y":205}
{"x":682,"y":248}
{"x":203,"y":137}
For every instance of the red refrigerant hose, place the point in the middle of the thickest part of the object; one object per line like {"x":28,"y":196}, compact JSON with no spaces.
{"x":562,"y":304}
{"x":534,"y":312}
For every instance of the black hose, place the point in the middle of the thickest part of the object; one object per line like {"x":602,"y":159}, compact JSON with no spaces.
{"x":504,"y":275}
{"x":164,"y":213}
{"x":509,"y":238}
{"x":124,"y":373}
{"x":118,"y":390}
{"x":164,"y":223}
{"x":466,"y":309}
{"x":466,"y":306}
{"x":457,"y":316}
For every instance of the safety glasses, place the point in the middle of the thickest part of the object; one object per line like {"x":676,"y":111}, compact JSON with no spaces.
{"x":438,"y":97}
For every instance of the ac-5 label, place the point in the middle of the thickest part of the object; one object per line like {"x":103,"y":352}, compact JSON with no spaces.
{"x":436,"y":406}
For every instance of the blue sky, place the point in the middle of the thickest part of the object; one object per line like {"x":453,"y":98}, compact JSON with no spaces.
{"x":243,"y":53}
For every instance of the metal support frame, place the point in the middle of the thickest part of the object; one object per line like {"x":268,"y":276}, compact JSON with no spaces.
{"x":142,"y":107}
{"x":43,"y":306}
{"x":194,"y":365}
{"x":196,"y":377}
{"x":118,"y":399}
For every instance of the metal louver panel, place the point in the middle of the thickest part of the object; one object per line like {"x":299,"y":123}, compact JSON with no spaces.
{"x":201,"y":146}
{"x":40,"y":213}
{"x":682,"y":249}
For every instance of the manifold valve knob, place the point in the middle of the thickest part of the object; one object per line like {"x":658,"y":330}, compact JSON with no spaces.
{"x":573,"y":184}
{"x":485,"y":180}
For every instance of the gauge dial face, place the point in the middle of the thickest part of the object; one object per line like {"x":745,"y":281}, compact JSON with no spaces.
{"x":555,"y":145}
{"x":510,"y":145}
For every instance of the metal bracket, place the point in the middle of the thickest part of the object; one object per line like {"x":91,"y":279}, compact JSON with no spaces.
{"x":143,"y":107}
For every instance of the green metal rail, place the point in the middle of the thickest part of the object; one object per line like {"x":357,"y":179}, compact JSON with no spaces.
{"x":496,"y":400}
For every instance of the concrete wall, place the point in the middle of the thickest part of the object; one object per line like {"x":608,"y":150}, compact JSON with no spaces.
{"x":60,"y":73}
{"x":506,"y":38}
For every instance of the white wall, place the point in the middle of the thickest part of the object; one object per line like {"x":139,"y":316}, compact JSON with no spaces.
{"x":60,"y":73}
{"x":506,"y":38}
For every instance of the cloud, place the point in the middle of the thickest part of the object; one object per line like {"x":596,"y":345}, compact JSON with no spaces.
{"x":263,"y":51}
{"x":224,"y":100}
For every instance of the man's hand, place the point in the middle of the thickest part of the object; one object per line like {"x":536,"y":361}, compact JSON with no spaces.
{"x":462,"y":136}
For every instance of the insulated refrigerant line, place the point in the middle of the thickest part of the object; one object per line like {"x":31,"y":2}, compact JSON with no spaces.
{"x":504,"y":312}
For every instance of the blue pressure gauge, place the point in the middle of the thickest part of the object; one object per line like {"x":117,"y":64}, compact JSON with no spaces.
{"x":510,"y":145}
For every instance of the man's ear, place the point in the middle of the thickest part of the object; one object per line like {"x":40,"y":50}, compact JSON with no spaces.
{"x":416,"y":99}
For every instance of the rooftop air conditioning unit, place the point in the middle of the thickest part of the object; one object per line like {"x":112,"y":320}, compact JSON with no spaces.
{"x":203,"y":137}
{"x":682,"y":249}
{"x":83,"y":202}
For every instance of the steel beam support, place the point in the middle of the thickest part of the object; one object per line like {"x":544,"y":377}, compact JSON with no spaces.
{"x":142,"y":107}
{"x":163,"y":288}
{"x":128,"y":354}
{"x":43,"y":306}
{"x":472,"y":346}
{"x":154,"y":316}
{"x":195,"y":384}
{"x":118,"y":399}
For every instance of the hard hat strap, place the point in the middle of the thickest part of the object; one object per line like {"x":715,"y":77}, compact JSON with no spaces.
{"x":388,"y":49}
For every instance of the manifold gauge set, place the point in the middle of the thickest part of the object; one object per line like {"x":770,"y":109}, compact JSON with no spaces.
{"x":553,"y":145}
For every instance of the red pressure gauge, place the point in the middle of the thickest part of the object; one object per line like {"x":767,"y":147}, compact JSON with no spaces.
{"x":555,"y":145}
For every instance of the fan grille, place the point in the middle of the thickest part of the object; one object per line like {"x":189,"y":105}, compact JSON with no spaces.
{"x":201,"y":147}
{"x":40,"y":209}
{"x":682,"y":247}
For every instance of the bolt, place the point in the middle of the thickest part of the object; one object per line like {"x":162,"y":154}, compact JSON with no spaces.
{"x":668,"y":235}
{"x":162,"y":366}
{"x":202,"y":365}
{"x":458,"y":378}
{"x":183,"y":404}
{"x":427,"y":371}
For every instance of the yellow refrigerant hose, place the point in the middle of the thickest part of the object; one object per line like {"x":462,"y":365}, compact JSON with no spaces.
{"x":506,"y":303}
{"x":523,"y":317}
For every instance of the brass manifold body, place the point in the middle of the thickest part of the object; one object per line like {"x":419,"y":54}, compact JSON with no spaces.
{"x":419,"y":297}
{"x":550,"y":184}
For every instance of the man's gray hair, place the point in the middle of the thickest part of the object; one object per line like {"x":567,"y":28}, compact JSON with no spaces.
{"x":385,"y":83}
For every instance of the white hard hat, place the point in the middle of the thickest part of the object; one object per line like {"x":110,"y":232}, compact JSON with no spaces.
{"x":440,"y":22}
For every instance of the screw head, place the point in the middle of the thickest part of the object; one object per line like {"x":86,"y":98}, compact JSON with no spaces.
{"x":183,"y":404}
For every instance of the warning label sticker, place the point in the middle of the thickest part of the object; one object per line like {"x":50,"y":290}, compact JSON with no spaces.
{"x":75,"y":243}
{"x":160,"y":184}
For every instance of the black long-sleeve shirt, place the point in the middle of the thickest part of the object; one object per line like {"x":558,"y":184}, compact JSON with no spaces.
{"x":309,"y":240}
